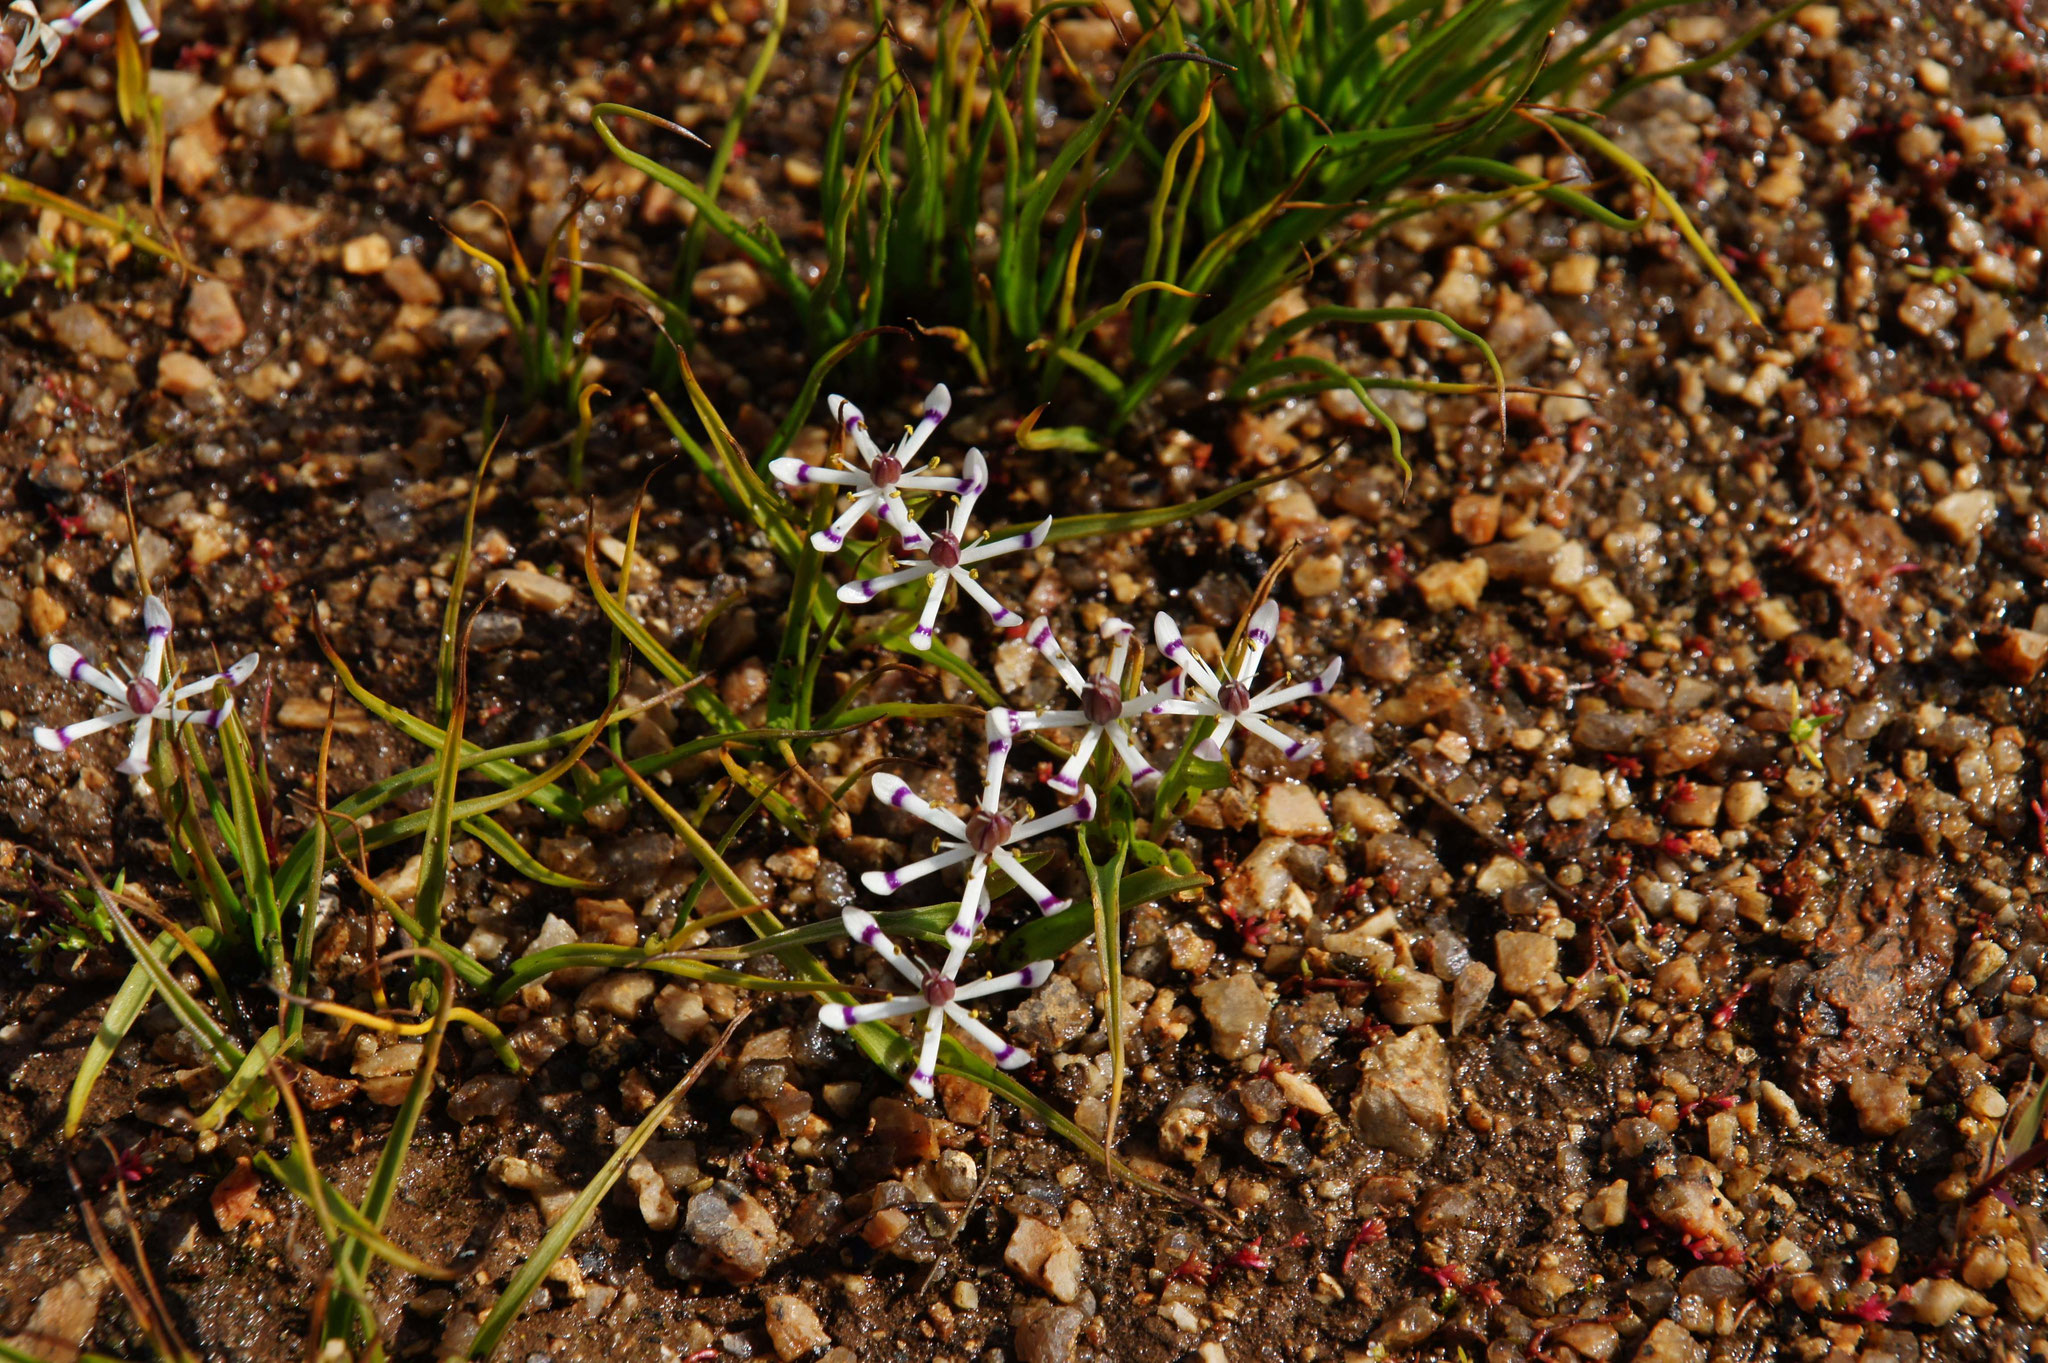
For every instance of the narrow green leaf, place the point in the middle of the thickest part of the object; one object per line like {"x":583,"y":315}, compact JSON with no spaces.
{"x":376,"y":1204}
{"x":434,"y":848}
{"x":1573,"y":128}
{"x":702,"y":698}
{"x":2027,"y":1128}
{"x":956,"y":1059}
{"x":252,"y":853}
{"x":127,"y":1004}
{"x":254,"y":1070}
{"x":492,"y":834}
{"x":1124,"y":522}
{"x":897,"y":639}
{"x":1054,"y":936}
{"x":458,"y":585}
{"x":600,"y":955}
{"x":728,"y":140}
{"x":1103,"y":883}
{"x":577,"y":1214}
{"x":225,"y":1055}
{"x":769,"y":258}
{"x":348,"y":1220}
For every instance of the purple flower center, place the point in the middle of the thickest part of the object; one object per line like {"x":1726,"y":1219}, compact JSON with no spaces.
{"x":1235,"y":698}
{"x":945,"y":550}
{"x":886,"y":471}
{"x":143,"y":696}
{"x":986,"y":832}
{"x":939,"y":991}
{"x":1101,"y":700}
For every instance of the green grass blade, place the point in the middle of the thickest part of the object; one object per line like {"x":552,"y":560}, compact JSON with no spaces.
{"x":492,"y":834}
{"x":1051,"y":937}
{"x":309,"y":897}
{"x":252,"y":853}
{"x":491,"y":766}
{"x":2026,"y":1128}
{"x":10,"y":1354}
{"x":702,"y":698}
{"x":376,"y":1204}
{"x":225,"y":909}
{"x":721,"y":156}
{"x":1092,"y":369}
{"x":579,"y":1212}
{"x":1712,"y":59}
{"x":458,"y":585}
{"x":434,"y":821}
{"x":1573,"y":128}
{"x":1561,"y":75}
{"x":1563,"y":196}
{"x":1103,"y":883}
{"x":707,"y":858}
{"x":897,"y":638}
{"x":350,"y":1222}
{"x":433,"y":882}
{"x":956,"y":1059}
{"x":600,"y":955}
{"x":770,"y":260}
{"x":471,"y":971}
{"x":1321,"y":316}
{"x":814,"y":383}
{"x":1188,"y":774}
{"x":1124,"y":522}
{"x":127,"y":1004}
{"x":253,"y":1070}
{"x":1332,"y":376}
{"x":225,"y":1055}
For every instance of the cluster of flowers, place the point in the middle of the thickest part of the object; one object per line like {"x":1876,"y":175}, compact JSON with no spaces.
{"x":27,"y":44}
{"x":1103,"y":713}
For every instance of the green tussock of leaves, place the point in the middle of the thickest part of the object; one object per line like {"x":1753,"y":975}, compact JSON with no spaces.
{"x":1341,"y":120}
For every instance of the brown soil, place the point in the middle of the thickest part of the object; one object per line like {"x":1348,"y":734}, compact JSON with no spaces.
{"x":1599,"y":756}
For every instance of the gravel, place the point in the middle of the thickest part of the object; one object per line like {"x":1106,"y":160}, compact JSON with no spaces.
{"x":794,"y":1329}
{"x":1046,"y":1333}
{"x":737,"y":1235}
{"x":1660,"y":919}
{"x":1403,"y":1103}
{"x":1237,"y":1010}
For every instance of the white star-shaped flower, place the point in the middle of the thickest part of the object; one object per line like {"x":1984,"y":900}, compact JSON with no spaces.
{"x":1232,"y":702}
{"x":1104,"y":712}
{"x":938,"y":995}
{"x":946,"y":561}
{"x":148,"y":696}
{"x":982,"y":839}
{"x":880,"y":484}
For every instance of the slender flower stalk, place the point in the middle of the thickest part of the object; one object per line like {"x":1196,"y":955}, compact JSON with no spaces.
{"x":147,"y":698}
{"x":938,"y":995}
{"x":1232,"y":702}
{"x":879,"y":481}
{"x":1104,"y":711}
{"x":947,"y":561}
